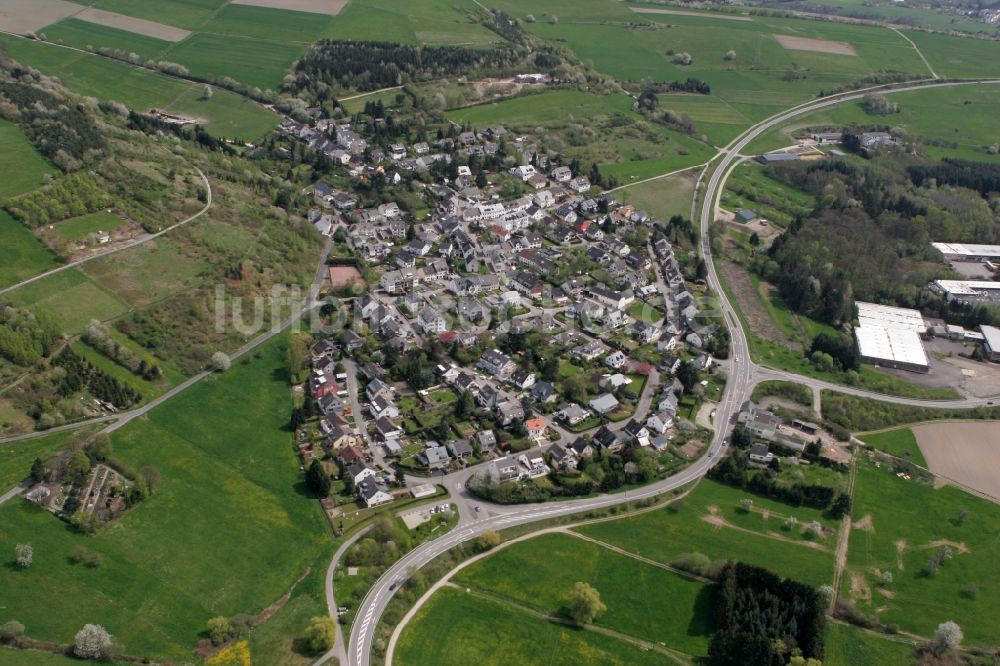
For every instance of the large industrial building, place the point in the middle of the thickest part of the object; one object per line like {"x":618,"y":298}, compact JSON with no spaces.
{"x":971,"y":292}
{"x":991,"y":342}
{"x":890,"y":337}
{"x":968,"y":251}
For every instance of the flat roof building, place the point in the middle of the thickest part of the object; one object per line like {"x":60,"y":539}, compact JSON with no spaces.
{"x":890,"y":337}
{"x":969,"y":291}
{"x":968,"y":251}
{"x":991,"y":342}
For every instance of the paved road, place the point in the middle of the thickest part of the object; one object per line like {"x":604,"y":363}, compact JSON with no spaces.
{"x":743,"y":375}
{"x":145,"y":238}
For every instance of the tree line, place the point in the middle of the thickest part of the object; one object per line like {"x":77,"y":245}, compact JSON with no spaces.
{"x":26,"y":338}
{"x":80,"y":374}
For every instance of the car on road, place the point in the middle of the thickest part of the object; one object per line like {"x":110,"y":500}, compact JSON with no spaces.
{"x":478,"y":508}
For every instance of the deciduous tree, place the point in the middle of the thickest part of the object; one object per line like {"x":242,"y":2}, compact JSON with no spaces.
{"x":585,"y":603}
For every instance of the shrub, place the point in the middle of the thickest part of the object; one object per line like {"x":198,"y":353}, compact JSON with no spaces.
{"x":24,"y":554}
{"x":320,"y":634}
{"x":92,"y":642}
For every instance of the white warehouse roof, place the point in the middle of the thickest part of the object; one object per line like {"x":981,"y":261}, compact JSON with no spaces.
{"x":887,"y":316}
{"x":891,"y":344}
{"x":968,"y":249}
{"x":965,"y":287}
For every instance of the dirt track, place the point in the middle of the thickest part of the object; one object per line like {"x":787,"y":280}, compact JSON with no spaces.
{"x":968,"y":453}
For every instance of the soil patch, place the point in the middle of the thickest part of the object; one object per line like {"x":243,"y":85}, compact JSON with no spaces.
{"x":678,"y":12}
{"x":24,"y":16}
{"x":859,"y":588}
{"x":865,"y":523}
{"x":139,"y":26}
{"x":885,"y":593}
{"x":328,"y":7}
{"x":900,"y":549}
{"x":818,"y":45}
{"x":957,"y":545}
{"x":342,"y":276}
{"x":966,"y":453}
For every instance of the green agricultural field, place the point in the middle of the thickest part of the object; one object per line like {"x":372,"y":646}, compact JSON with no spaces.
{"x":22,"y":166}
{"x":719,"y":121}
{"x":426,"y":22}
{"x":71,"y":297}
{"x":597,"y":128}
{"x":956,"y":121}
{"x":21,"y":254}
{"x":91,"y":36}
{"x":78,"y":228}
{"x":909,"y":523}
{"x":664,"y":197}
{"x":956,"y":57}
{"x":763,"y":78}
{"x":16,"y":457}
{"x":271,"y":25}
{"x":12,"y":657}
{"x":643,"y":601}
{"x":230,"y":508}
{"x":900,"y":443}
{"x":904,"y":14}
{"x":497,"y":634}
{"x":187,"y":14}
{"x":249,"y":60}
{"x":849,"y":646}
{"x":225,"y":114}
{"x":664,"y":534}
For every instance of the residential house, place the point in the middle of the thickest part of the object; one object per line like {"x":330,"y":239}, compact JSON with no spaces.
{"x":660,"y":422}
{"x":372,"y":494}
{"x":381,"y":406}
{"x":496,"y":363}
{"x":431,"y":321}
{"x":582,"y":448}
{"x":460,"y":449}
{"x":572,"y":413}
{"x":434,"y":457}
{"x":616,"y":359}
{"x":604,"y":403}
{"x":543,"y":392}
{"x":561,"y":458}
{"x":487,"y":440}
{"x":535,"y":427}
{"x":760,"y":454}
{"x":358,"y":471}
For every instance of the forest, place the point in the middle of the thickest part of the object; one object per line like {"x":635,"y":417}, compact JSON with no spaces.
{"x":765,"y":620}
{"x":347,"y":65}
{"x":870,"y":236}
{"x":81,"y":374}
{"x":25,"y":338}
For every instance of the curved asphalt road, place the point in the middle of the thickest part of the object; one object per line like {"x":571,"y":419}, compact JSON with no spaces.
{"x":743,"y":375}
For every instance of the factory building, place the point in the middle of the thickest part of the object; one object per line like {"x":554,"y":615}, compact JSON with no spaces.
{"x":890,"y":337}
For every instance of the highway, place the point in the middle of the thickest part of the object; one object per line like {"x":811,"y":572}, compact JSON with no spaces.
{"x":743,"y":376}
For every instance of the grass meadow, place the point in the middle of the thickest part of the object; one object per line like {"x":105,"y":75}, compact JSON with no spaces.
{"x":643,"y":601}
{"x":909,"y":523}
{"x":230,"y":508}
{"x":92,"y":36}
{"x":664,"y":197}
{"x":427,"y":22}
{"x":21,"y":254}
{"x":849,"y":646}
{"x":958,"y":121}
{"x":249,"y":60}
{"x":456,"y":628}
{"x":78,"y":228}
{"x":753,"y":538}
{"x":225,"y":114}
{"x":71,"y":297}
{"x":22,"y":166}
{"x":900,"y":443}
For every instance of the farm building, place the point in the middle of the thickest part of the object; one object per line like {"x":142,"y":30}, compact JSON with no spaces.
{"x":746,"y":215}
{"x":890,"y":337}
{"x":779,"y":156}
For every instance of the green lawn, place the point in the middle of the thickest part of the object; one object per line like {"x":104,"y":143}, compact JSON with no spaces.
{"x":91,"y":36}
{"x":644,"y":601}
{"x":909,"y":522}
{"x":21,"y":254}
{"x":900,"y":443}
{"x":664,"y":534}
{"x":22,"y":166}
{"x":11,"y":657}
{"x":78,"y":228}
{"x":849,"y":646}
{"x":230,"y":509}
{"x":457,"y":629}
{"x":664,"y":197}
{"x":225,"y":114}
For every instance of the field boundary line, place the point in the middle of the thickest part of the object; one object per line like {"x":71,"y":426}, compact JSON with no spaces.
{"x":555,"y":619}
{"x":640,"y":558}
{"x":126,"y":246}
{"x":658,"y":177}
